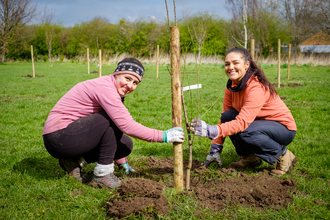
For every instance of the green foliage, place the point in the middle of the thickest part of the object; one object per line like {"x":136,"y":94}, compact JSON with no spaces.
{"x":32,"y":184}
{"x":61,"y":58}
{"x":193,"y":29}
{"x":140,"y":37}
{"x":45,"y":58}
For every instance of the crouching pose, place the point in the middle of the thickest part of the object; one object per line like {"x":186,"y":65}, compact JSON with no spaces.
{"x":257,"y":121}
{"x":87,"y":124}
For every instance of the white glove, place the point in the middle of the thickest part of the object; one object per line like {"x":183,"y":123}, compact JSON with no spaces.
{"x":213,"y":158}
{"x":200,"y":128}
{"x":173,"y":135}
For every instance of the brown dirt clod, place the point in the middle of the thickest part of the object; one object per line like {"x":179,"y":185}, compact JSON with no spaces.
{"x":143,"y":193}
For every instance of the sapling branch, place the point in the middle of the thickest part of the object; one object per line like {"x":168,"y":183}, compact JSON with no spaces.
{"x":168,"y":17}
{"x":189,"y":144}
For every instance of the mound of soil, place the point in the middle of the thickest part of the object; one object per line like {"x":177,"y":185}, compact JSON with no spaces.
{"x":136,"y":196}
{"x":142,"y":192}
{"x":257,"y":191}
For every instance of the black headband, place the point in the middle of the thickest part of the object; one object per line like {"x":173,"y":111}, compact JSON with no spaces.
{"x":127,"y":66}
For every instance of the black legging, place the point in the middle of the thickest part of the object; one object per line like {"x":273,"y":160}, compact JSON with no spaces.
{"x":94,"y":137}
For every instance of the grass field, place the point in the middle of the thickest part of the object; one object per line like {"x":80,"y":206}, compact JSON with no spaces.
{"x":33,"y":186}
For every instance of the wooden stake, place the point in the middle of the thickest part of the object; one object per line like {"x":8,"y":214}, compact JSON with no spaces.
{"x":88,"y":71}
{"x":33,"y":73}
{"x":289,"y":61}
{"x":252,"y":49}
{"x":157,"y":59}
{"x":176,"y":104}
{"x":100,"y":63}
{"x":279,"y":64}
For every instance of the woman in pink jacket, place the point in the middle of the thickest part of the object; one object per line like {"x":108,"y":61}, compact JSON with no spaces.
{"x":255,"y":118}
{"x":87,"y":124}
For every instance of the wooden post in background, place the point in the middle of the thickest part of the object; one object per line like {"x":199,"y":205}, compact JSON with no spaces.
{"x":88,"y":61}
{"x":252,"y":49}
{"x":289,"y":61}
{"x":33,"y":73}
{"x":157,"y":57}
{"x":279,"y":64}
{"x":100,"y":63}
{"x":176,"y":104}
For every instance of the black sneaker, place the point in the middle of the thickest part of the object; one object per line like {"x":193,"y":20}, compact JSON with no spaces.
{"x":109,"y":181}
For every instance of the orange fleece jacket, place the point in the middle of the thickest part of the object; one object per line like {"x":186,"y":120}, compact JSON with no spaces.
{"x":253,"y":103}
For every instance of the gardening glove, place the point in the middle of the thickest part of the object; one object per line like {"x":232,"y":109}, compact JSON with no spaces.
{"x":200,"y":128}
{"x":127,"y":168}
{"x":173,"y":135}
{"x":214,"y":155}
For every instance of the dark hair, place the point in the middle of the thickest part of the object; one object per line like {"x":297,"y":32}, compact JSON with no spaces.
{"x":132,"y":60}
{"x":257,"y":72}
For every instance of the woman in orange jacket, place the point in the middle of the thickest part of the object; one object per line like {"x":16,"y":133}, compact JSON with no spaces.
{"x":257,"y":121}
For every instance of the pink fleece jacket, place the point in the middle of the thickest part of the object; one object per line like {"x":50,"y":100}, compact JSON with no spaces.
{"x":93,"y":96}
{"x":253,"y":103}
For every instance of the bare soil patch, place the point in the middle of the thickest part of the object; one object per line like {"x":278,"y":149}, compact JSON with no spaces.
{"x":142,"y":194}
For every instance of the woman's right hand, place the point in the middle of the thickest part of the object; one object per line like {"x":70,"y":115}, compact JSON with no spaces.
{"x":173,"y":135}
{"x":200,"y":128}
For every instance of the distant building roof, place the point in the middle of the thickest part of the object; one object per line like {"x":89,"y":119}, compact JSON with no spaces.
{"x":319,"y":43}
{"x":320,"y":38}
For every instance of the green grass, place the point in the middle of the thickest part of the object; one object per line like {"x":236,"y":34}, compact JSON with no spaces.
{"x":32,"y":184}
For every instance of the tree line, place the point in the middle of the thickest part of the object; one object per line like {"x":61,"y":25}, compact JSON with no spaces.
{"x":202,"y":33}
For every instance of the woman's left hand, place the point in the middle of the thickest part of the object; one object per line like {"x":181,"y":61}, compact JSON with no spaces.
{"x":200,"y":128}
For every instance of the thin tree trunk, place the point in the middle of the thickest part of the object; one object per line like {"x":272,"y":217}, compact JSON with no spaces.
{"x":245,"y":21}
{"x":50,"y":51}
{"x":3,"y":53}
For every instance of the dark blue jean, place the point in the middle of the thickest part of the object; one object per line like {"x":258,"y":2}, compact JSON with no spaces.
{"x":264,"y":138}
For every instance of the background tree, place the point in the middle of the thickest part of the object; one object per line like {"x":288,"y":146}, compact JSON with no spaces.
{"x":298,"y":14}
{"x":19,"y":43}
{"x":12,"y":14}
{"x":198,"y":27}
{"x":239,"y":9}
{"x":244,"y":7}
{"x":292,"y":21}
{"x":322,"y":17}
{"x":46,"y":16}
{"x":264,"y":24}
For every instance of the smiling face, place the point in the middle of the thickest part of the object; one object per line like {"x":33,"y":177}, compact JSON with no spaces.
{"x":125,"y":83}
{"x":236,"y":67}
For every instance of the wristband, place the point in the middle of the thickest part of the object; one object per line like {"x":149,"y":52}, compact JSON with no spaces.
{"x":164,"y":136}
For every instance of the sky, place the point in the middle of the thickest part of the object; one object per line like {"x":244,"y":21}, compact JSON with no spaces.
{"x":71,"y":12}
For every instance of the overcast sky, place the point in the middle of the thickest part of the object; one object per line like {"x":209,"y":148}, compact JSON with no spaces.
{"x":71,"y":12}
